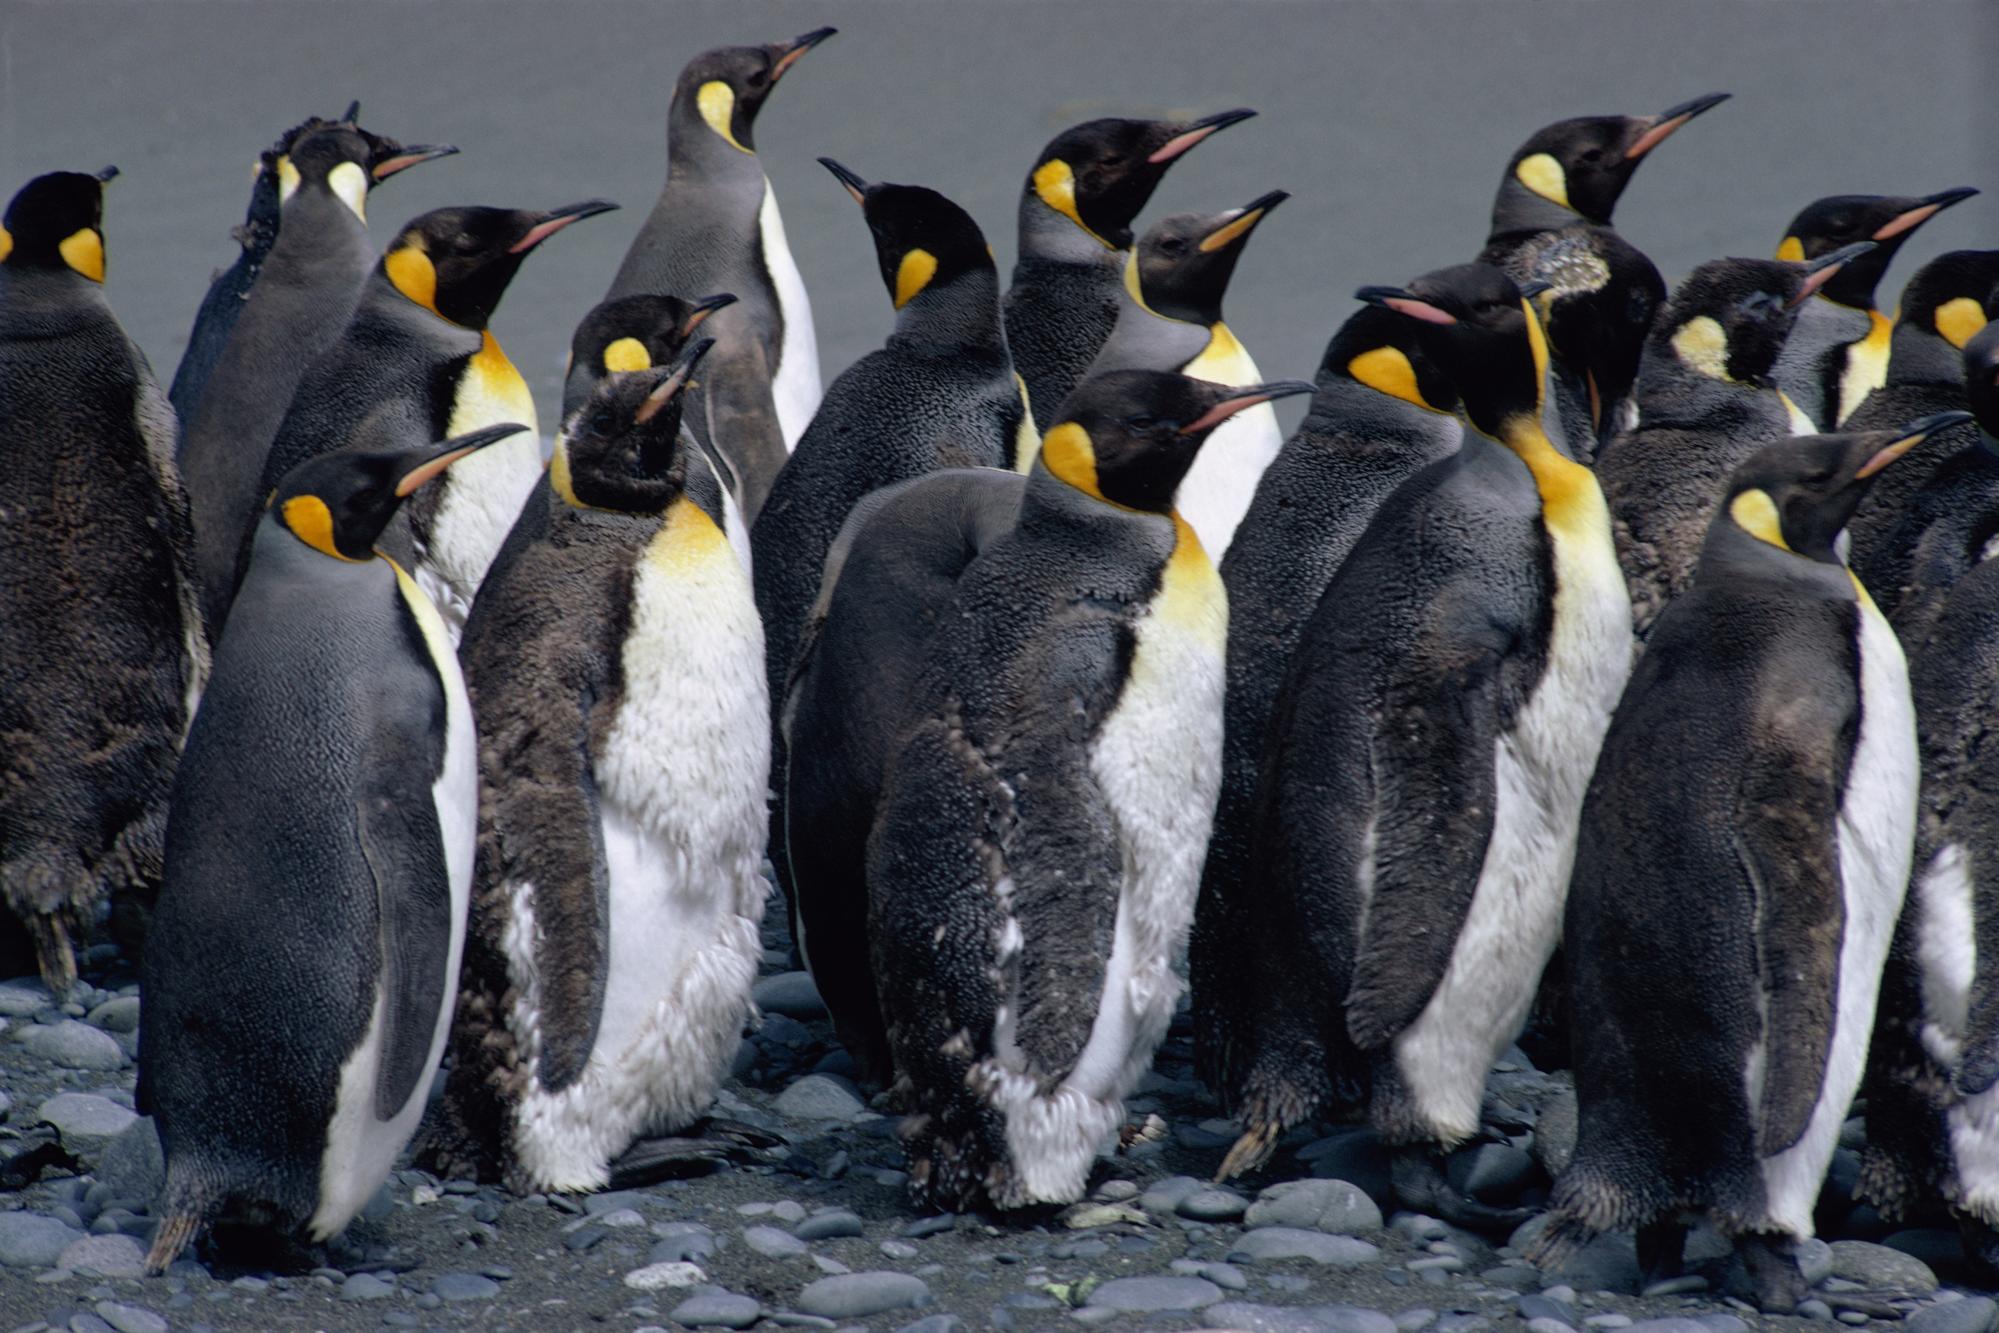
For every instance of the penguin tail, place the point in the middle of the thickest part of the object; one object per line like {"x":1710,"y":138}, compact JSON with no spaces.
{"x":176,"y":1230}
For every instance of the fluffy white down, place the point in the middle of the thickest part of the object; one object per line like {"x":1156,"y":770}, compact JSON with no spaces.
{"x":360,"y":1148}
{"x":1542,"y":768}
{"x":1877,"y":829}
{"x":1157,"y":760}
{"x":795,"y":387}
{"x":1222,"y":482}
{"x":681,"y":784}
{"x":1947,"y":949}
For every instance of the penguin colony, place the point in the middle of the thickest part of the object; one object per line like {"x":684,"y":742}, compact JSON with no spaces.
{"x":1624,"y":646}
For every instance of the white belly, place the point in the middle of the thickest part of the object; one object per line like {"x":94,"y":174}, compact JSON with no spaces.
{"x":1947,"y":952}
{"x":795,"y":386}
{"x":1218,"y":488}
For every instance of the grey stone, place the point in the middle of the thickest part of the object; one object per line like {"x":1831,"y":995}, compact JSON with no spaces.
{"x":899,"y":1249}
{"x":130,"y":1318}
{"x":1935,"y":1246}
{"x":596,"y":1205}
{"x":1359,"y":1157}
{"x":1974,"y":1314}
{"x":1814,"y":1308}
{"x":1555,"y":1130}
{"x":1165,"y":1195}
{"x":86,"y":1121}
{"x":1546,"y":1307}
{"x":1545,"y":1325}
{"x":683,"y":1247}
{"x":1672,"y":1324}
{"x":1294,"y":1243}
{"x":819,"y":1097}
{"x":1140,"y":1294}
{"x":1608,"y":1263}
{"x":1226,"y":1276}
{"x":1682,"y":1285}
{"x":106,"y":1256}
{"x":1879,"y":1267}
{"x":132,"y":1164}
{"x":1252,"y":1318}
{"x":858,"y":1295}
{"x":24,"y":997}
{"x":1213,"y":1205}
{"x":1117,"y":1191}
{"x":937,"y":1323}
{"x":828,"y":1225}
{"x":366,"y":1287}
{"x":1490,"y":1171}
{"x":1611,"y":1320}
{"x":657,"y":1277}
{"x":920,"y":1227}
{"x":1720,"y":1322}
{"x":1337,"y":1206}
{"x":119,"y":1015}
{"x":1408,"y":1321}
{"x":74,"y":1045}
{"x":464,"y":1287}
{"x":88,"y":1323}
{"x":619,"y":1219}
{"x":719,"y":1309}
{"x":789,"y":993}
{"x":788,"y":1210}
{"x":773,"y":1243}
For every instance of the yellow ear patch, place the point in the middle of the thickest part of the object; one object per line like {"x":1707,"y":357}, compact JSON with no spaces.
{"x":1957,"y":320}
{"x":1537,"y":342}
{"x":1756,"y":514}
{"x":1702,"y":345}
{"x":1131,"y":285}
{"x":1388,"y":370}
{"x":1792,"y":250}
{"x":312,"y":523}
{"x":912,"y":275}
{"x":288,"y":179}
{"x":1068,"y":453}
{"x":410,"y":269}
{"x":6,"y":244}
{"x":717,"y":101}
{"x":350,"y":182}
{"x":559,"y":479}
{"x":626,"y":354}
{"x":1055,"y":183}
{"x":1542,"y":174}
{"x":84,"y":251}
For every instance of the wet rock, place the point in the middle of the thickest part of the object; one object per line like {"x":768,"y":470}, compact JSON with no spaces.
{"x":1252,"y":1318}
{"x":1494,"y":1172}
{"x":1212,"y":1205}
{"x":464,"y":1287}
{"x":1337,"y":1206}
{"x":828,"y":1225}
{"x":858,"y":1295}
{"x":719,"y":1309}
{"x":819,"y":1097}
{"x":792,"y":994}
{"x":658,"y":1277}
{"x":130,"y":1318}
{"x":773,"y":1243}
{"x":1359,"y":1157}
{"x":1935,"y":1246}
{"x":366,"y":1287}
{"x":86,"y":1121}
{"x":24,"y":997}
{"x":106,"y":1256}
{"x":1141,"y":1294}
{"x":1878,"y":1267}
{"x":118,"y":1015}
{"x":1165,"y":1195}
{"x":74,"y":1045}
{"x":1294,"y":1243}
{"x":1974,"y":1314}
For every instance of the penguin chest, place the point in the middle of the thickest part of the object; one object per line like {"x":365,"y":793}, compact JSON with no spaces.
{"x":1219,"y":487}
{"x":1946,"y":916}
{"x":795,"y":386}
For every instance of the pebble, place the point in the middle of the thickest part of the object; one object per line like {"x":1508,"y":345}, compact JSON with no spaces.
{"x":1086,"y":1216}
{"x":584,"y":1237}
{"x":366,"y":1287}
{"x":1545,"y":1306}
{"x":719,"y":1308}
{"x":119,"y":1015}
{"x":619,"y":1218}
{"x":1336,"y":1206}
{"x":929,"y":1226}
{"x":788,"y":1210}
{"x":1545,"y":1325}
{"x":858,"y":1295}
{"x":1117,"y":1191}
{"x":1974,"y":1314}
{"x":74,"y":1045}
{"x":86,"y":1121}
{"x":899,"y":1249}
{"x":1213,"y":1205}
{"x":130,"y":1318}
{"x":1296,"y":1243}
{"x":654,"y":1277}
{"x":88,"y":1323}
{"x":937,"y":1323}
{"x":1555,"y":1130}
{"x":24,"y":997}
{"x":1611,"y":1320}
{"x":1253,"y":1318}
{"x":1814,"y":1260}
{"x":464,"y":1287}
{"x":819,"y":1097}
{"x":1490,"y":1171}
{"x":1164,"y":1196}
{"x":791,"y":994}
{"x":1675,"y":1286}
{"x":1852,"y":1317}
{"x":596,"y":1205}
{"x":1143,"y":1294}
{"x":828,"y":1225}
{"x":1877,"y":1266}
{"x":31,"y":1241}
{"x":106,"y":1256}
{"x":680,"y":1242}
{"x":1814,"y":1308}
{"x":772,"y":1243}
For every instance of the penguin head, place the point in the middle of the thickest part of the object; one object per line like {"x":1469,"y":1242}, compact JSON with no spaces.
{"x":1954,"y":295}
{"x":1128,"y":436}
{"x":622,"y":449}
{"x":718,"y":95}
{"x":1798,"y":493}
{"x":639,"y":332}
{"x":57,"y":222}
{"x":1981,"y":378}
{"x":338,"y":503}
{"x":348,"y":161}
{"x":457,"y":262}
{"x":1384,"y":350}
{"x":1839,"y":220}
{"x":1100,"y":173}
{"x":1728,"y":319}
{"x":922,"y":239}
{"x":1181,"y":268}
{"x":1477,"y":327}
{"x":1583,"y":164}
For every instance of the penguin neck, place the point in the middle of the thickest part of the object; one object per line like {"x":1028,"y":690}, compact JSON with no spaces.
{"x":699,"y":158}
{"x":1049,"y":236}
{"x":1144,"y":339}
{"x":29,"y":293}
{"x":317,"y":228}
{"x":1569,"y":494}
{"x":1918,"y":354}
{"x":956,"y":318}
{"x":1518,"y":212}
{"x":1672,"y":393}
{"x":1734,"y":551}
{"x":1051,"y":507}
{"x":1366,"y":420}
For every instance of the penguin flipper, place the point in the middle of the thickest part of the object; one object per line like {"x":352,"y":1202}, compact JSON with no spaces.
{"x":404,"y":848}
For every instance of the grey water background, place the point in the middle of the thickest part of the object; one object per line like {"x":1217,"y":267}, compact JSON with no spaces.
{"x":1389,"y":121}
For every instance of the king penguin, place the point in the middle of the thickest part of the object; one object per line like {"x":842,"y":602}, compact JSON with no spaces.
{"x":614,"y":669}
{"x":1744,"y":852}
{"x":1032,"y":868}
{"x":1382,"y":412}
{"x":1551,"y":223}
{"x":1076,"y":211}
{"x":419,"y":360}
{"x":298,"y":309}
{"x":102,"y":651}
{"x":1429,"y":750}
{"x":298,"y":985}
{"x":716,"y":228}
{"x":1171,"y":319}
{"x":1706,"y":401}
{"x":1838,"y":353}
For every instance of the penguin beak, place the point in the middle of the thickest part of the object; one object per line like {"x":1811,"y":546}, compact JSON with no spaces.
{"x":1196,"y":131}
{"x":683,"y":368}
{"x":1669,"y":120}
{"x":1825,"y":268}
{"x":786,"y":54}
{"x":554,"y":221}
{"x":427,"y":463}
{"x":1242,"y":223}
{"x":1924,"y":210}
{"x":703,"y":308}
{"x":405,"y":158}
{"x":1913,"y":434}
{"x":1249,"y":397}
{"x":105,"y":175}
{"x":855,"y":185}
{"x":1404,"y":302}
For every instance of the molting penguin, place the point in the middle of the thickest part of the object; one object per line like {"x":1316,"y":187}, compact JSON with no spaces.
{"x":418,"y":361}
{"x":1551,"y":223}
{"x":1032,"y":867}
{"x":1743,"y":855}
{"x":1706,"y":401}
{"x":1383,"y":411}
{"x":1171,"y":319}
{"x":299,"y":982}
{"x":303,"y":299}
{"x":1428,"y":755}
{"x":716,"y":228}
{"x":1075,"y":229}
{"x":614,"y":668}
{"x":1838,"y":353}
{"x":102,"y":653}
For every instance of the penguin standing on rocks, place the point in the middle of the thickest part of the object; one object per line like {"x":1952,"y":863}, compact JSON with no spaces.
{"x":614,"y":669}
{"x":1838,"y":353}
{"x":102,"y":652}
{"x":1171,"y":319}
{"x":1076,"y":212}
{"x":298,"y":985}
{"x":1033,"y":864}
{"x":1744,"y":852}
{"x":418,"y":360}
{"x":1429,"y":752}
{"x":1706,"y":401}
{"x":1551,"y":223}
{"x":304,"y":296}
{"x":1382,"y":412}
{"x":716,"y":228}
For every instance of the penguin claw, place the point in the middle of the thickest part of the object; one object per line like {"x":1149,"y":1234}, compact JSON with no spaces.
{"x":1250,"y":1151}
{"x":1149,"y":1130}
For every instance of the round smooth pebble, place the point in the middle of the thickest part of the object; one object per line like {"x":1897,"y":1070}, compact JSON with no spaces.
{"x":117,"y":1015}
{"x":1335,"y":1206}
{"x":828,"y":1225}
{"x":1143,"y":1294}
{"x":655,"y":1277}
{"x":24,"y":997}
{"x":596,"y":1205}
{"x":789,"y":993}
{"x":1213,"y":1206}
{"x":1877,"y":1266}
{"x":818,"y":1097}
{"x":684,"y":1246}
{"x":106,"y":1256}
{"x":937,"y":1323}
{"x":899,"y":1249}
{"x":858,"y":1295}
{"x":1254,"y":1318}
{"x":1544,"y":1325}
{"x":772,"y":1243}
{"x":1672,"y":1324}
{"x":74,"y":1045}
{"x":464,"y":1287}
{"x":366,"y":1287}
{"x":1814,"y":1260}
{"x":1974,"y":1314}
{"x":86,"y":1121}
{"x":1295,"y":1243}
{"x":130,"y":1318}
{"x":1165,"y":1195}
{"x":719,"y":1309}
{"x":1117,"y":1191}
{"x":621,"y":1217}
{"x":1490,"y":1170}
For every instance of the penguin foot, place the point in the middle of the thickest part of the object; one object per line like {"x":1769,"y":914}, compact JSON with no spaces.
{"x":1776,"y":1284}
{"x":1149,"y":1130}
{"x":172,"y":1237}
{"x":1661,"y":1251}
{"x":1250,"y":1151}
{"x":1419,"y":1183}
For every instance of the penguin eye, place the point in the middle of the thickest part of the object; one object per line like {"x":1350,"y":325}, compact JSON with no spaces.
{"x":1172,"y":245}
{"x":602,"y":424}
{"x":1113,"y":161}
{"x":1591,"y":156}
{"x":1759,"y":303}
{"x":1142,"y":422}
{"x":757,"y":79}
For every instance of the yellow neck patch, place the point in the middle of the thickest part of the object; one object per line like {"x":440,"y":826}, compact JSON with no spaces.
{"x":413,"y":274}
{"x":559,"y":479}
{"x":717,"y":101}
{"x":1866,"y":365}
{"x":312,"y":523}
{"x":688,"y":537}
{"x":1070,"y":456}
{"x":1131,"y":287}
{"x":1756,"y":514}
{"x":912,"y":275}
{"x":1026,"y":439}
{"x":1792,"y":250}
{"x":288,"y":179}
{"x":1055,"y":183}
{"x":626,"y":354}
{"x":1388,"y":370}
{"x":350,"y":183}
{"x":1958,"y":320}
{"x":84,"y":251}
{"x":1702,"y":346}
{"x":1537,"y":343}
{"x":1571,"y":502}
{"x":1542,"y":174}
